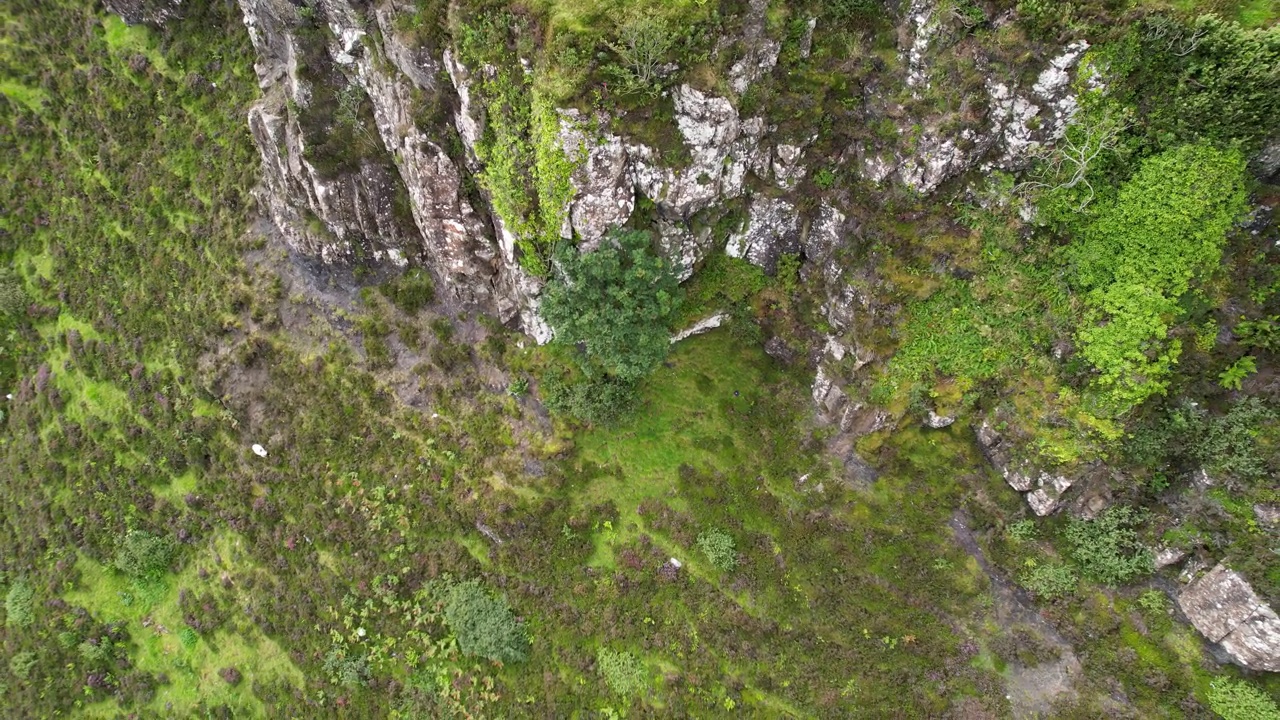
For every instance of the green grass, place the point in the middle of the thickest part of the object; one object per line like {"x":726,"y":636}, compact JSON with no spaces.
{"x":33,"y":98}
{"x":193,"y":672}
{"x":692,"y":415}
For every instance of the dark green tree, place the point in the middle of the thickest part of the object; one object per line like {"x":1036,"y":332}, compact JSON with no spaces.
{"x":614,"y":303}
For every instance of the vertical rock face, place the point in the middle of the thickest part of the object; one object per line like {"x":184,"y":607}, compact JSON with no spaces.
{"x":772,"y":228}
{"x":404,"y":205}
{"x":1227,"y":611}
{"x":347,"y":215}
{"x":401,"y":199}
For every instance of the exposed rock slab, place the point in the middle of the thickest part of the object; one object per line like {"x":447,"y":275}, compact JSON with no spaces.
{"x":1225,"y":609}
{"x":772,"y":228}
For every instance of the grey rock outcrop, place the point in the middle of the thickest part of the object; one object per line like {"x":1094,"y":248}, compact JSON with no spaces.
{"x":761,"y":52}
{"x":1042,"y":490}
{"x":722,"y":147}
{"x":936,"y":422}
{"x":702,"y":326}
{"x":933,"y":149}
{"x":1226,"y":610}
{"x":772,"y":228}
{"x":603,"y":189}
{"x":151,"y":12}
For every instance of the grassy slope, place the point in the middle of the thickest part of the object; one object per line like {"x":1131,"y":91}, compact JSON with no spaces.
{"x":844,"y":603}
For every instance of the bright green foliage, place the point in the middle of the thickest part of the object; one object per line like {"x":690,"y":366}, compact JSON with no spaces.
{"x":484,"y":624}
{"x":719,"y":548}
{"x":1234,"y":376}
{"x":616,"y":302}
{"x":18,"y":606}
{"x":1050,"y":581}
{"x":142,"y":555}
{"x":188,"y":637}
{"x":1165,"y":229}
{"x":1123,"y":335}
{"x":1240,"y":700}
{"x":1107,"y":548}
{"x":623,"y":672}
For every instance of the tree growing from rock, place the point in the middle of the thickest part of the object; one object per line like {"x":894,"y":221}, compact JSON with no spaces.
{"x":614,"y":304}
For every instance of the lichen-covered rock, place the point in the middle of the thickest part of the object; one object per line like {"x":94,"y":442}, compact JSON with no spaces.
{"x":722,"y":147}
{"x":933,"y":149}
{"x":1042,"y":490}
{"x":1225,"y":609}
{"x":603,"y":189}
{"x":772,"y":228}
{"x":151,"y":12}
{"x":937,"y":422}
{"x":706,"y":324}
{"x":761,"y":51}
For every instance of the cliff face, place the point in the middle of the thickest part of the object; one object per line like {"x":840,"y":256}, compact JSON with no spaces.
{"x":401,"y":198}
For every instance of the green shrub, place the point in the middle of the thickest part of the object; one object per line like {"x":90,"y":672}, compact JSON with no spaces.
{"x":484,"y":624}
{"x":615,"y":303}
{"x":188,"y":637}
{"x":1107,"y":548}
{"x":719,"y":548}
{"x":411,"y":292}
{"x":13,"y":299}
{"x":1050,"y":581}
{"x":601,"y":401}
{"x":344,"y":668}
{"x":143,"y":556}
{"x":622,"y":671}
{"x":1021,"y":531}
{"x":1204,"y":78}
{"x":18,"y":605}
{"x":94,"y":653}
{"x":1233,"y":377}
{"x":21,"y":663}
{"x":1153,"y":601}
{"x":1239,"y":700}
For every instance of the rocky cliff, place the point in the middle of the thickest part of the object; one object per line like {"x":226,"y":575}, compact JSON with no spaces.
{"x":396,"y":194}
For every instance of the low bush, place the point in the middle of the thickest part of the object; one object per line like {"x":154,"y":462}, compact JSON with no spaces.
{"x":622,"y":671}
{"x":142,"y":555}
{"x":1050,"y":581}
{"x":18,"y":606}
{"x":1107,"y":548}
{"x":411,"y":292}
{"x":719,"y":548}
{"x":484,"y":624}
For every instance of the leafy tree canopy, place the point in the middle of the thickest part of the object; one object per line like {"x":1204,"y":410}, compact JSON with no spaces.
{"x":615,"y":302}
